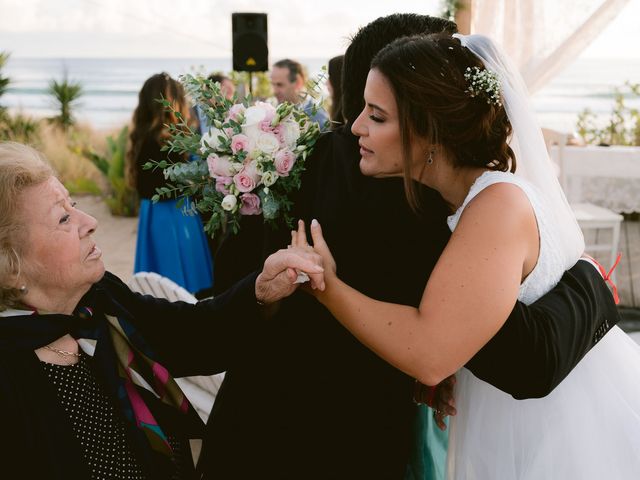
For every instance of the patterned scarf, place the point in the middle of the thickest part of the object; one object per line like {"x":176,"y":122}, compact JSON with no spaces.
{"x":123,"y":359}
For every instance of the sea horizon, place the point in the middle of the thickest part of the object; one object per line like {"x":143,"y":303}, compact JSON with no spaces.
{"x":111,"y":85}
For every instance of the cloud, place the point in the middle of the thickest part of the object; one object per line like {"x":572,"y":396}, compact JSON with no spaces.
{"x":194,"y":28}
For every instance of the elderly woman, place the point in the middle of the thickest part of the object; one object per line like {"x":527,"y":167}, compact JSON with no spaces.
{"x":84,"y":393}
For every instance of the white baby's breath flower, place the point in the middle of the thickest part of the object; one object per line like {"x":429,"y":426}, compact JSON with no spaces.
{"x":229,"y":202}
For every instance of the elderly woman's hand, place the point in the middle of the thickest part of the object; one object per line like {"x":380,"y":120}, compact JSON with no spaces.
{"x":279,"y":274}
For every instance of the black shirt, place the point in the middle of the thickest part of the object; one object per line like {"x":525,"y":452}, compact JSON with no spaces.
{"x":308,"y":400}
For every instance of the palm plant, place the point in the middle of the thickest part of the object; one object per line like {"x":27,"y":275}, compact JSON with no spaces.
{"x":4,"y":81}
{"x":65,"y":94}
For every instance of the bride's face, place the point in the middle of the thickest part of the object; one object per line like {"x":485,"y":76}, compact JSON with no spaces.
{"x":379,"y":130}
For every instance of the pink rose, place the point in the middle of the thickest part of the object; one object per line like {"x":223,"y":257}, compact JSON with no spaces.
{"x":235,"y":111}
{"x":250,"y":204}
{"x":219,"y":166}
{"x":222,"y":184}
{"x":239,"y":142}
{"x":284,"y":161}
{"x":265,"y":126}
{"x":247,"y":179}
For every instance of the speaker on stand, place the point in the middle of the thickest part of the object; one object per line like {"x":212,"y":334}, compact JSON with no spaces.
{"x":250,"y":47}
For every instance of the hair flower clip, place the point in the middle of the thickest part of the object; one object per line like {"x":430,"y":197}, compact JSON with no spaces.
{"x":483,"y":83}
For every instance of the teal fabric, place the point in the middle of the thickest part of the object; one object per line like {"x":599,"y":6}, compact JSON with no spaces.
{"x":429,"y":453}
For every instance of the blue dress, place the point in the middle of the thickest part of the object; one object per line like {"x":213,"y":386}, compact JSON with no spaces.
{"x":170,"y":243}
{"x":173,"y":244}
{"x":429,"y":453}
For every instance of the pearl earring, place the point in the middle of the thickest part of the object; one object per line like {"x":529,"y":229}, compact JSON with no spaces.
{"x":23,"y":289}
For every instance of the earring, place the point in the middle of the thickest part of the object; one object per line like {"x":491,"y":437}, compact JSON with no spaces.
{"x":23,"y":289}
{"x":430,"y":157}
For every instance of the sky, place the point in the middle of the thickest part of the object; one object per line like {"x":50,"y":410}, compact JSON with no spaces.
{"x":202,"y":28}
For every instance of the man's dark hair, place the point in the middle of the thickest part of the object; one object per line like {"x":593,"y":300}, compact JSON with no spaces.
{"x":369,"y":40}
{"x":218,"y":77}
{"x":295,"y":68}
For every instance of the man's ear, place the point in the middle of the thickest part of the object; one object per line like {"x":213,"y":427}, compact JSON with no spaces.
{"x":299,"y":82}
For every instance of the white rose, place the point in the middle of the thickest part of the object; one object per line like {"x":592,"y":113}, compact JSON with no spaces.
{"x":254,"y":115}
{"x":268,"y":179}
{"x":210,"y":140}
{"x":290,"y":132}
{"x":267,"y":143}
{"x":229,"y":202}
{"x":252,"y":132}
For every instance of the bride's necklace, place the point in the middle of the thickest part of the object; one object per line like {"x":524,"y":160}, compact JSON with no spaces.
{"x":63,"y":353}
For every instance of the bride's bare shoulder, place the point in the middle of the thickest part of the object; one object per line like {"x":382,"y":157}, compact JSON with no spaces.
{"x":501,"y":203}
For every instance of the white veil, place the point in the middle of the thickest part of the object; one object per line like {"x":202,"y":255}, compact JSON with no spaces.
{"x":532,"y":159}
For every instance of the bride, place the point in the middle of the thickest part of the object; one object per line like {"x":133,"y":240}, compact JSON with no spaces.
{"x":453,"y":114}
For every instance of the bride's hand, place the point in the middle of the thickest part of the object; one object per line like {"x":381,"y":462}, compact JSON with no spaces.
{"x":299,"y":239}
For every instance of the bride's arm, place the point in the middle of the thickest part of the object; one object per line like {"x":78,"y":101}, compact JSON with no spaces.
{"x":470,"y":293}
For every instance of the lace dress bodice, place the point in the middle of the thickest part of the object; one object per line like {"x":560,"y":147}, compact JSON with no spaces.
{"x":550,"y":266}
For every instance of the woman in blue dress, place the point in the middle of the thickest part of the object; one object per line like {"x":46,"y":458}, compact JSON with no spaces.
{"x":170,"y":242}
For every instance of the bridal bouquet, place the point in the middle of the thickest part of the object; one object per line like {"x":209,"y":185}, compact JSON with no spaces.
{"x":248,"y":163}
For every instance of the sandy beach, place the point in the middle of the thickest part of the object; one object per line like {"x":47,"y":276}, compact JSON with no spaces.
{"x":116,"y":236}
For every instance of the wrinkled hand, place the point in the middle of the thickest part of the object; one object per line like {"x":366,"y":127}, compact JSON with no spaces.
{"x":440,"y":398}
{"x":299,"y":240}
{"x":278,"y":276}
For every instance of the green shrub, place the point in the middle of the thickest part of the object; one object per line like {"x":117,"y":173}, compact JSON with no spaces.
{"x":121,"y":199}
{"x":19,"y":128}
{"x":621,"y":128}
{"x":82,"y":186}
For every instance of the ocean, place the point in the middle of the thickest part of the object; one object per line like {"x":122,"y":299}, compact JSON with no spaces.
{"x":111,"y":86}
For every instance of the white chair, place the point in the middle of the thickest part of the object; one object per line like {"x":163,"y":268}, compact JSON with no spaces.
{"x":601,"y":226}
{"x":595,"y":221}
{"x":151,"y":283}
{"x":200,"y":390}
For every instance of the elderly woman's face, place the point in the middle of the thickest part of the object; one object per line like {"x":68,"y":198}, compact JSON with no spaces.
{"x":60,"y":255}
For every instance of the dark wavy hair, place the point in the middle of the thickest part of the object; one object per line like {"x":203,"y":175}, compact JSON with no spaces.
{"x":426,"y":74}
{"x":150,"y":118}
{"x":334,"y":69}
{"x":369,"y":40}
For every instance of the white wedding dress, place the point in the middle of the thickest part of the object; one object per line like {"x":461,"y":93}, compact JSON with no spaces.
{"x":587,"y":428}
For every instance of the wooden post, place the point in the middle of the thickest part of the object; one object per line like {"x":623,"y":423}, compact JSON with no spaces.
{"x":463,"y":17}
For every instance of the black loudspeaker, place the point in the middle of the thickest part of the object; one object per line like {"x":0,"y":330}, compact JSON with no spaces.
{"x":250,"y":49}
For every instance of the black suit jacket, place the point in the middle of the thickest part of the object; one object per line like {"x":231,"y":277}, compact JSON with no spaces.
{"x":311,"y":401}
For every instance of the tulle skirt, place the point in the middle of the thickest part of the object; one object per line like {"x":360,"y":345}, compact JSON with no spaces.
{"x":173,"y":245}
{"x":587,"y":428}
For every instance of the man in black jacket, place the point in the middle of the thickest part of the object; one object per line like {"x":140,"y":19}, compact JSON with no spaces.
{"x":310,"y":401}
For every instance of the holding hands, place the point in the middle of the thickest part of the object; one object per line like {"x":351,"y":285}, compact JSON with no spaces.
{"x":278,"y":277}
{"x":320,"y":247}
